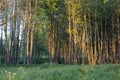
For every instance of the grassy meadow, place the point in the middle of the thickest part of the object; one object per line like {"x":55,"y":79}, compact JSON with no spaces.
{"x":60,"y":72}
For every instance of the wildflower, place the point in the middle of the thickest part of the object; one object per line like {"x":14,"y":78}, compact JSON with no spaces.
{"x":14,"y":74}
{"x":20,"y":68}
{"x":9,"y":72}
{"x":5,"y":71}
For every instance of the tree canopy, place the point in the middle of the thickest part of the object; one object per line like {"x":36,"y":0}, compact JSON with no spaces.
{"x":62,"y":31}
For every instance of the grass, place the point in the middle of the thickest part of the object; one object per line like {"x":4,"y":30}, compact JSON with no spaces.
{"x":60,"y":72}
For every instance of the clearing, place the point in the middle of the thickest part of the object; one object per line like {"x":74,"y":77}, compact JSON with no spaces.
{"x":60,"y":72}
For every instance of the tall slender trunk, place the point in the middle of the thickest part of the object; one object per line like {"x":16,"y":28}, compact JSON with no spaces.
{"x":18,"y":41}
{"x":1,"y":44}
{"x":26,"y":26}
{"x":31,"y":41}
{"x":6,"y":41}
{"x":118,"y":34}
{"x":69,"y":26}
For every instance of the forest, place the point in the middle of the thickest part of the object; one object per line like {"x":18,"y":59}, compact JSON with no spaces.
{"x":59,"y":39}
{"x":59,"y":31}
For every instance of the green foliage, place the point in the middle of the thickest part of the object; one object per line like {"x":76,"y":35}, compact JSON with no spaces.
{"x":54,"y":71}
{"x":52,"y":21}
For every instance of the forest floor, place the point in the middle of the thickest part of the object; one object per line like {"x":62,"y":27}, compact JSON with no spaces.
{"x":60,"y":72}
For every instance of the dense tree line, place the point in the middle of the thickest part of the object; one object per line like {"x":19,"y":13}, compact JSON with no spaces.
{"x":62,"y":31}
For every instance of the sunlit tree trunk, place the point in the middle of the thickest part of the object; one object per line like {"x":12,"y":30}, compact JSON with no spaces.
{"x":27,"y":25}
{"x":5,"y":40}
{"x":31,"y":41}
{"x":69,"y":26}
